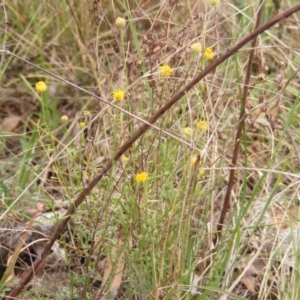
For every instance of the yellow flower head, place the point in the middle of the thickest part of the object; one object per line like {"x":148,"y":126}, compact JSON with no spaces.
{"x":41,"y":87}
{"x":64,"y":118}
{"x":118,"y":95}
{"x":86,"y":113}
{"x":202,"y":125}
{"x":214,"y":2}
{"x":82,"y":124}
{"x":165,"y":71}
{"x":196,"y":48}
{"x":208,"y":54}
{"x":187,"y":131}
{"x":124,"y":158}
{"x":201,"y":173}
{"x":120,"y":22}
{"x":141,"y":177}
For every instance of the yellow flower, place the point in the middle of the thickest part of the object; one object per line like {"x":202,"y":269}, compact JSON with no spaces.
{"x":187,"y":131}
{"x":118,"y":95}
{"x":120,"y":22}
{"x":141,"y":177}
{"x":196,"y":48}
{"x":214,"y":2}
{"x":86,"y":113}
{"x":165,"y":71}
{"x":201,"y":173}
{"x":64,"y":118}
{"x":82,"y":124}
{"x":208,"y":54}
{"x":202,"y":125}
{"x":124,"y":158}
{"x":41,"y":87}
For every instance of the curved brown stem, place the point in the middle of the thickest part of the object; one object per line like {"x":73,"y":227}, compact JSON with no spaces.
{"x":239,"y":131}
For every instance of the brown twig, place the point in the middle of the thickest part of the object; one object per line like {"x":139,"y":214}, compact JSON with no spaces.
{"x":27,"y":275}
{"x":239,"y":131}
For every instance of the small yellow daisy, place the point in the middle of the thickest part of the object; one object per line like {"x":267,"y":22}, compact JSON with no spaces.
{"x":64,"y":118}
{"x":165,"y":71}
{"x":187,"y":131}
{"x":41,"y":87}
{"x":141,"y":177}
{"x":82,"y":124}
{"x":208,"y":54}
{"x":201,"y":173}
{"x":120,"y":22}
{"x":214,"y":2}
{"x":124,"y":158}
{"x":118,"y":95}
{"x":202,"y":125}
{"x":196,"y":48}
{"x":86,"y":113}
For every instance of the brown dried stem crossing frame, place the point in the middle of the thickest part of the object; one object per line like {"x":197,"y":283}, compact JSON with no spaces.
{"x":27,"y":275}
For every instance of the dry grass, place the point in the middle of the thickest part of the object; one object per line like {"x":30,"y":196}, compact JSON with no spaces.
{"x":158,"y":239}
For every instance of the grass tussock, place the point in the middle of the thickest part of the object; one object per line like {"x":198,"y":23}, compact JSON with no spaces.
{"x":203,"y":205}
